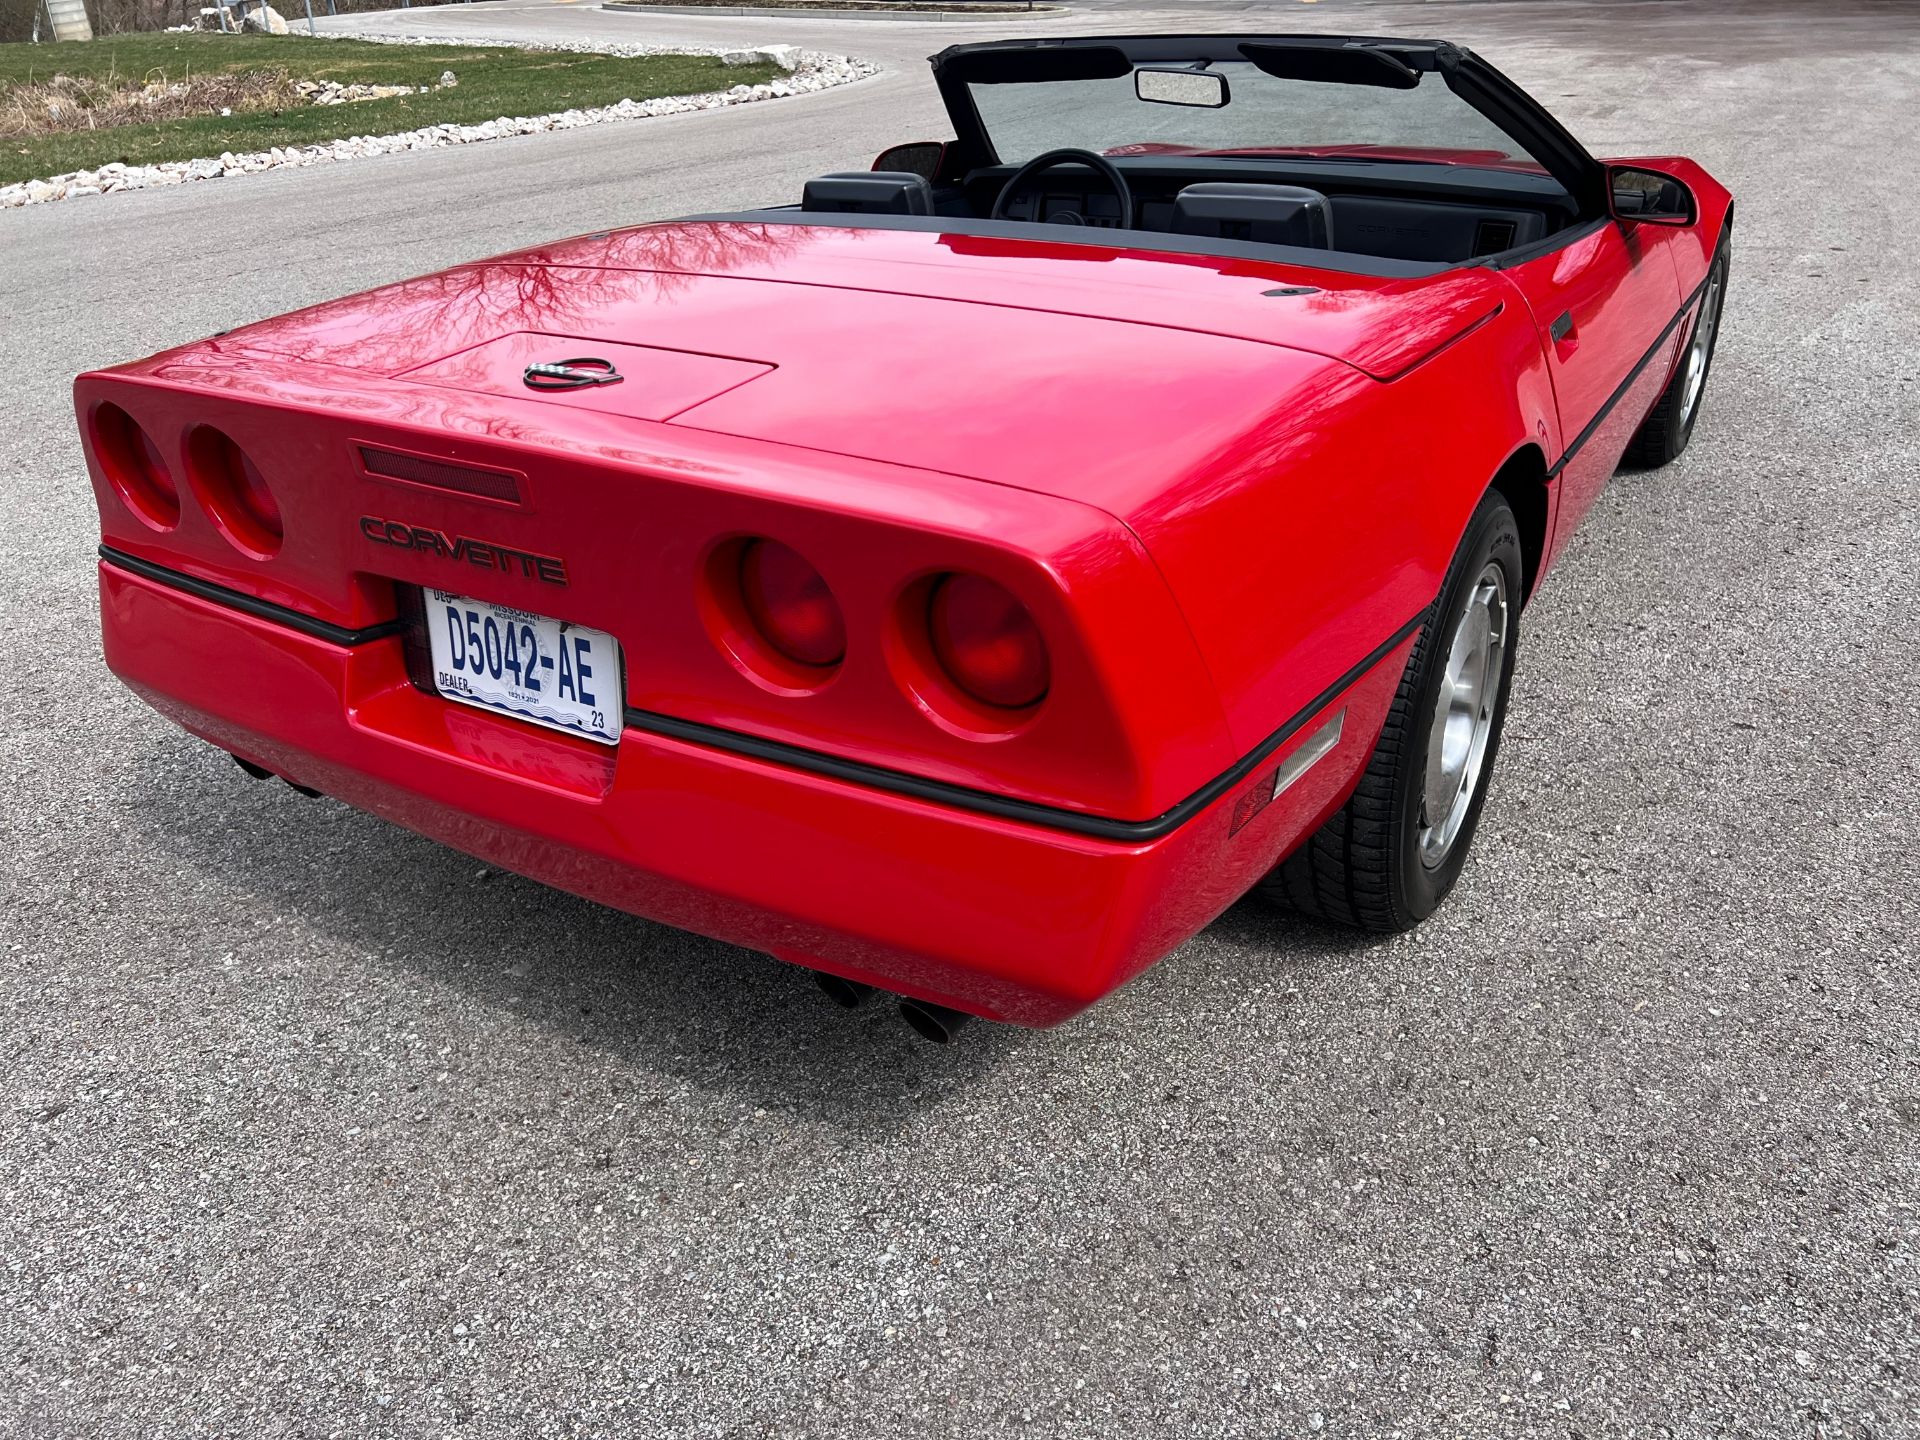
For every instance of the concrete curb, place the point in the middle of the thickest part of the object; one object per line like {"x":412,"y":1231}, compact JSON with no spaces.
{"x":936,"y":17}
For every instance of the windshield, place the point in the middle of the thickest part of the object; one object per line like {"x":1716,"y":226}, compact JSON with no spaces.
{"x":1263,"y":115}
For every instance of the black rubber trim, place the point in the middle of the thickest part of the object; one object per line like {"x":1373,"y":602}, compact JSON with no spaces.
{"x":1620,"y":393}
{"x":798,"y":757}
{"x":1534,"y":249}
{"x":962,"y":797}
{"x":248,"y":604}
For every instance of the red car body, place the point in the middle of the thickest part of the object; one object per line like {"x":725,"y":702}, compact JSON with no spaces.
{"x":1228,"y":511}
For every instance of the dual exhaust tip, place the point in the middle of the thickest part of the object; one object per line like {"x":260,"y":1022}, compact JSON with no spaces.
{"x":260,"y":772}
{"x":937,"y":1023}
{"x":929,"y":1021}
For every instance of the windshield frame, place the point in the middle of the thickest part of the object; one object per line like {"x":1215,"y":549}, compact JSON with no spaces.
{"x":1535,"y":133}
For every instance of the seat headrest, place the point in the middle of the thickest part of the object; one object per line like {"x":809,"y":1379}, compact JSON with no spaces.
{"x":1271,"y":214}
{"x":869,"y":192}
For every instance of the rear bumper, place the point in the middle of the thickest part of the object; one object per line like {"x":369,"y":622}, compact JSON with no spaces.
{"x":1020,"y":922}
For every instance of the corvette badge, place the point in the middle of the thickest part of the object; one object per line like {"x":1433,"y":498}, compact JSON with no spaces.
{"x":571,"y":374}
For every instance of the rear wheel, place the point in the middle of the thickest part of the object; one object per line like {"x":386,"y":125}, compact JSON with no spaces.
{"x":1394,"y":850}
{"x":1669,"y":425}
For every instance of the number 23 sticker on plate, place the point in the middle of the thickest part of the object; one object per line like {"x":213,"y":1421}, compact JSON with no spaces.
{"x":563,"y":676}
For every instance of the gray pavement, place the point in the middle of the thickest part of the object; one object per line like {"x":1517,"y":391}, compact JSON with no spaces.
{"x":309,"y":1127}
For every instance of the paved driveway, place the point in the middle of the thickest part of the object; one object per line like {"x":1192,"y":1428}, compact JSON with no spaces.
{"x":312,"y":1128}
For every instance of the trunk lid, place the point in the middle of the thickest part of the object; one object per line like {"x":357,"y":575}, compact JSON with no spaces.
{"x":1093,"y":373}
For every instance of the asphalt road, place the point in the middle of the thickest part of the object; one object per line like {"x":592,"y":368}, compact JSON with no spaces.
{"x":309,"y":1127}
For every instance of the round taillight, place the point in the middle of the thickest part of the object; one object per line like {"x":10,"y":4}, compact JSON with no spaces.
{"x":234,"y":493}
{"x":137,"y":470}
{"x":790,"y":604}
{"x":988,"y":642}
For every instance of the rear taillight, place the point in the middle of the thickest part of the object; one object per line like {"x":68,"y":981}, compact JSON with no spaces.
{"x":234,"y":493}
{"x":136,"y":468}
{"x":790,"y":604}
{"x":988,"y":642}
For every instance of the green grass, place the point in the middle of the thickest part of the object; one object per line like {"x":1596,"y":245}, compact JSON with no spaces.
{"x":493,"y":82}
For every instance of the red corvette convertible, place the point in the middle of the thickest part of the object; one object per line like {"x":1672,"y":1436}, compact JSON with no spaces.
{"x":970,"y":580}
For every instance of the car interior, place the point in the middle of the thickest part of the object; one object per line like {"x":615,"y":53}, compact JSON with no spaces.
{"x":1434,"y":214}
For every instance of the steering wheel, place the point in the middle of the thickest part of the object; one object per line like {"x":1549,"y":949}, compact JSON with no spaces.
{"x":1102,"y":166}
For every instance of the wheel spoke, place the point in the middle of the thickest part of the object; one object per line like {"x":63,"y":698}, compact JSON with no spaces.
{"x":1700,"y":347}
{"x":1462,"y":720}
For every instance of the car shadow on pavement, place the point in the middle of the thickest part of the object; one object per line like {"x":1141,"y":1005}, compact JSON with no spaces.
{"x":1252,"y":923}
{"x":655,"y":1001}
{"x":661,"y":1002}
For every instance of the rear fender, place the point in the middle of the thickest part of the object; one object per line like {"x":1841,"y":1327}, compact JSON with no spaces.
{"x":1302,"y":549}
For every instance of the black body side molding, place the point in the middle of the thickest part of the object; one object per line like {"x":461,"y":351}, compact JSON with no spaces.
{"x":1620,"y":391}
{"x":1053,"y":817}
{"x":814,"y":762}
{"x":248,"y":604}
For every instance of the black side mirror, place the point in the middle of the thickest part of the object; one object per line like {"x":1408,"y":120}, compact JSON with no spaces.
{"x":922,"y":158}
{"x":1647,"y":197}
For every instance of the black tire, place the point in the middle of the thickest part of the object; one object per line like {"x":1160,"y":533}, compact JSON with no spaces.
{"x":1669,"y":425}
{"x":1365,"y":867}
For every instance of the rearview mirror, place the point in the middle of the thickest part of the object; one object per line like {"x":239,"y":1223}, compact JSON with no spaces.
{"x":921,"y":158}
{"x":1201,"y":89}
{"x":1649,"y":198}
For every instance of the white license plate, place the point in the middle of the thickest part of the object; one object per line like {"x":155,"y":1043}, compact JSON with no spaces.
{"x":553,"y":673}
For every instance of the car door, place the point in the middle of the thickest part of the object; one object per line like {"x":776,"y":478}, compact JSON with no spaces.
{"x":1601,"y":303}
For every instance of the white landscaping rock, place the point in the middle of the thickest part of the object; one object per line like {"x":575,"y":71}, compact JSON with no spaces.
{"x":333,"y":92}
{"x":264,"y":20}
{"x":787,"y":57}
{"x":810,"y":71}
